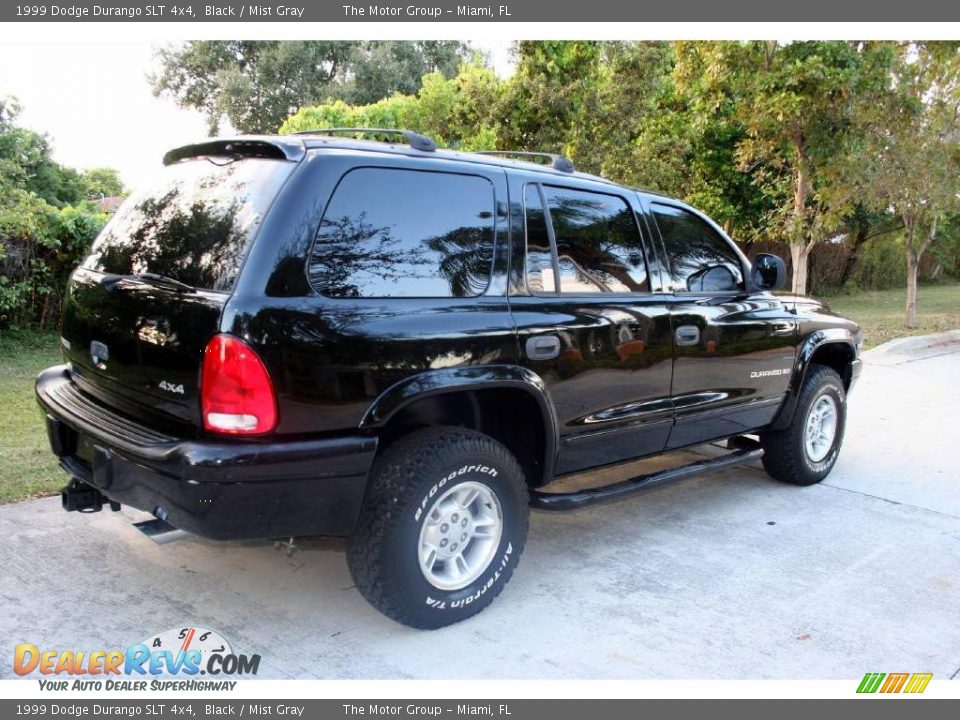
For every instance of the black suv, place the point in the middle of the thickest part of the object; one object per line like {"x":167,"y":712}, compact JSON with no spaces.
{"x":324,"y":335}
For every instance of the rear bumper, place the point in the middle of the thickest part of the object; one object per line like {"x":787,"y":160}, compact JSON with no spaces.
{"x":223,"y":490}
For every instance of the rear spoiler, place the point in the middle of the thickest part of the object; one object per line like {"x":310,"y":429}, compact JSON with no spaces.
{"x":254,"y":146}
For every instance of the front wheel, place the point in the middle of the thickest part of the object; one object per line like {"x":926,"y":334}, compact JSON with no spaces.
{"x":442,"y":527}
{"x":805,"y":451}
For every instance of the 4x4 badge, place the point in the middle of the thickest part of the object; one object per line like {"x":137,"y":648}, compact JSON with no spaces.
{"x":99,"y":354}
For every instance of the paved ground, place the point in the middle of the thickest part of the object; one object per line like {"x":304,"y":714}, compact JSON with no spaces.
{"x":728,"y":576}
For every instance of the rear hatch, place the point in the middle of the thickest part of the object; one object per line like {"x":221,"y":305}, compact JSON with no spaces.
{"x":143,"y":305}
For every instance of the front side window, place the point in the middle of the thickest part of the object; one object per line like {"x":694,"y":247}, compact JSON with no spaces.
{"x":405,"y":233}
{"x":599,"y":248}
{"x":700,"y":259}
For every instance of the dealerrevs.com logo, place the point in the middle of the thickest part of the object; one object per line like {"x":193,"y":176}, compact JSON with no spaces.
{"x":153,"y":664}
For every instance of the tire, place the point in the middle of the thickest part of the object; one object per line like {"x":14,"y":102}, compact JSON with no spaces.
{"x":787,"y":455}
{"x":411,"y":506}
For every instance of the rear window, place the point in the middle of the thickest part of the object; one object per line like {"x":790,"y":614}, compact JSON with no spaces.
{"x":193,"y":224}
{"x":405,"y":233}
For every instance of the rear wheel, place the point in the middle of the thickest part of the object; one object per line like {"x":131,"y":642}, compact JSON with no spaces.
{"x":805,"y":452}
{"x":442,"y":527}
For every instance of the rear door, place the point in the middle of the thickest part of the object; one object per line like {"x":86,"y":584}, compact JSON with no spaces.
{"x":145,"y":302}
{"x":733,"y":348}
{"x":588,"y":321}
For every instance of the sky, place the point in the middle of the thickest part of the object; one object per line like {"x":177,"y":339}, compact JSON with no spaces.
{"x":95,"y":104}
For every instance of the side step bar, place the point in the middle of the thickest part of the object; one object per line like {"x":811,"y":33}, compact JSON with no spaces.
{"x":160,"y":531}
{"x":744,"y":451}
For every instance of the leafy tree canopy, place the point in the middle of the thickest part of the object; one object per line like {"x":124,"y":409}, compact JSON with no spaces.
{"x":257,"y":85}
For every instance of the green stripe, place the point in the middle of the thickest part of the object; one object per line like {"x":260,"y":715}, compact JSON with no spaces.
{"x":871,"y":682}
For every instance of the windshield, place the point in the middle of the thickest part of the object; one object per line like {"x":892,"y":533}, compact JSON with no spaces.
{"x":193,"y":224}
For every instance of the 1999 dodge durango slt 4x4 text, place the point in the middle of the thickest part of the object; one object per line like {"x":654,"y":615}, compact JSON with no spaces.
{"x":324,"y":335}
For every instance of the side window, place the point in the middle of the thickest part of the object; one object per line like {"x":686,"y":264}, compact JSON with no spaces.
{"x":598,"y":243}
{"x":405,"y":233}
{"x":700,"y":259}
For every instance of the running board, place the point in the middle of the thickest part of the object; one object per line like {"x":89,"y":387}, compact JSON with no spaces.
{"x":160,"y":531}
{"x":746,"y":450}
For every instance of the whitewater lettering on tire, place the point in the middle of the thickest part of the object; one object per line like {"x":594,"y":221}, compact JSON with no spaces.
{"x":492,"y":472}
{"x":463,"y":602}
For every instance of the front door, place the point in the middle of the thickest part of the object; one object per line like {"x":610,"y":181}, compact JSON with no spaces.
{"x":733,"y":349}
{"x":588,"y":323}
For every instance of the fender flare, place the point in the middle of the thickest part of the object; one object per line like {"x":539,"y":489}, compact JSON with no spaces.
{"x":809,"y":347}
{"x":472,"y":377}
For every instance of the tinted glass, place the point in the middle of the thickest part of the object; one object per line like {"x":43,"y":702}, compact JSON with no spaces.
{"x":405,"y":233}
{"x":700,"y":259}
{"x":598,"y":243}
{"x":193,"y":224}
{"x":540,"y":273}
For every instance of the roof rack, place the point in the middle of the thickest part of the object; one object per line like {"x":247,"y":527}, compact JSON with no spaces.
{"x":557,"y":162}
{"x":415,"y":140}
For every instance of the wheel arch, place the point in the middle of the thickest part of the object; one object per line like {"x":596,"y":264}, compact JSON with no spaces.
{"x":834,"y":347}
{"x":509,"y":403}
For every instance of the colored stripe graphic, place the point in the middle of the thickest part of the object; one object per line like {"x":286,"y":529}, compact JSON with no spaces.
{"x":870,"y":682}
{"x":918,"y":682}
{"x":894,"y":683}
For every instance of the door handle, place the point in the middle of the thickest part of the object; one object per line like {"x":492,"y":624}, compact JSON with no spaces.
{"x":543,"y":347}
{"x":687,"y":335}
{"x":786,"y":328}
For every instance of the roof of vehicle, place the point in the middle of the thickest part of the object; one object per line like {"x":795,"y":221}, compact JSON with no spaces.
{"x":294,"y":147}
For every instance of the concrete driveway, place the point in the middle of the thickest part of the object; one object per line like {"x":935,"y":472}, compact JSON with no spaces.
{"x":728,"y":576}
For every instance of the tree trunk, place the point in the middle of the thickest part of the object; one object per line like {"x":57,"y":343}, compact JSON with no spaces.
{"x":912,"y":264}
{"x":799,"y":254}
{"x":860,"y":235}
{"x":914,"y":254}
{"x":799,"y":247}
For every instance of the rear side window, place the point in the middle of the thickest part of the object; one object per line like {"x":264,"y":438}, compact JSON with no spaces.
{"x":700,"y":259}
{"x":405,"y":233}
{"x":599,"y":248}
{"x":194,"y":224}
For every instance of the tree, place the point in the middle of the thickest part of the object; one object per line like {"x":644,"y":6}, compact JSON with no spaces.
{"x":45,"y":225}
{"x":379,"y":69}
{"x":545,"y":105}
{"x":652,"y":132}
{"x":256,"y":85}
{"x":459,"y":112}
{"x":913,"y":149}
{"x":102,"y":182}
{"x":798,"y":103}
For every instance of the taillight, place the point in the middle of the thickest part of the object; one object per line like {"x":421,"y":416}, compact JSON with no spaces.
{"x":236,"y":393}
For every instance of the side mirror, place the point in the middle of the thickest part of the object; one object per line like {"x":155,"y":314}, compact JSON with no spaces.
{"x":769,"y":272}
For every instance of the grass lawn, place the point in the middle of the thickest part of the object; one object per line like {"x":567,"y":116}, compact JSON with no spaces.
{"x":881,"y":313}
{"x":27,"y":467}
